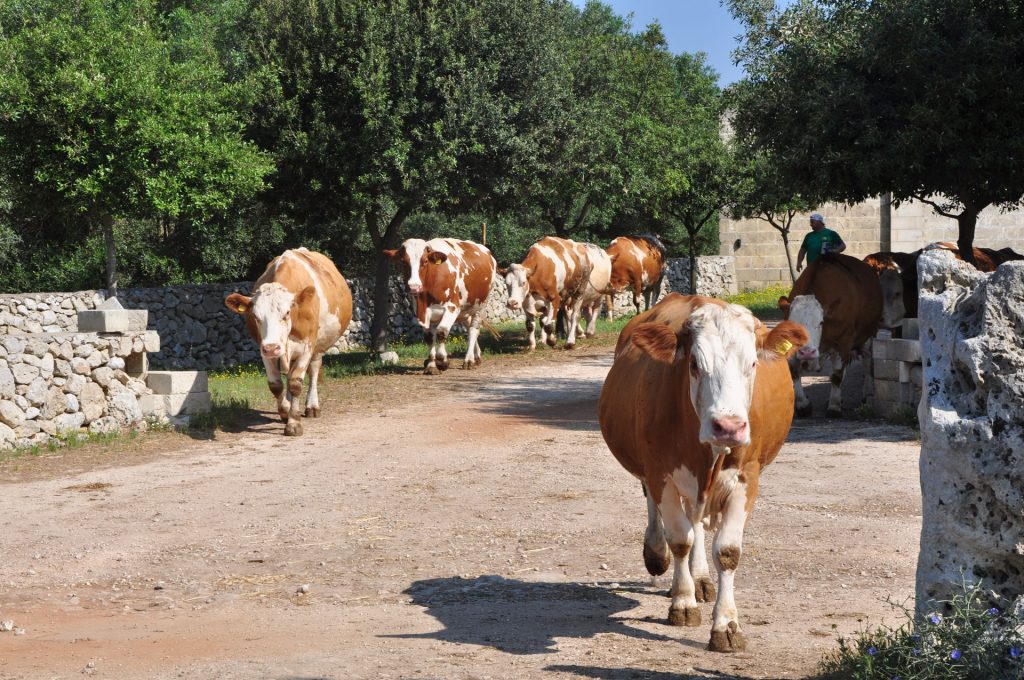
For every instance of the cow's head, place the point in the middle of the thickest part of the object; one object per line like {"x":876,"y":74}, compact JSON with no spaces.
{"x":517,"y":280}
{"x":274,"y":310}
{"x":413,"y":254}
{"x":893,"y":308}
{"x":720,"y":346}
{"x":808,"y":312}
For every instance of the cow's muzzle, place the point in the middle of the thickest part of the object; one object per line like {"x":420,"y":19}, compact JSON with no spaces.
{"x":512,"y":304}
{"x":271,"y":350}
{"x":730,"y":431}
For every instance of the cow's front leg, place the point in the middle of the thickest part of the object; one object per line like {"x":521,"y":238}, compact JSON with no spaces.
{"x":550,"y":314}
{"x":726,"y":635}
{"x":312,"y":395}
{"x":444,"y":327}
{"x":637,"y":296}
{"x":656,"y":553}
{"x":473,"y":343}
{"x":704,"y":587}
{"x":273,"y":368}
{"x":430,"y":363}
{"x":835,"y":394}
{"x":679,"y":532}
{"x":295,"y":374}
{"x":803,"y":404}
{"x":531,"y":325}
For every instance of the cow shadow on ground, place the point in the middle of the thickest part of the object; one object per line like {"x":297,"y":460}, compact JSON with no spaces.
{"x":600,"y":673}
{"x":565,"y":403}
{"x":489,"y":611}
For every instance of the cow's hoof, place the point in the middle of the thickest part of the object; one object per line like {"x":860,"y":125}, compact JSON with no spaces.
{"x":686,"y":616}
{"x":834,"y":413}
{"x":589,"y":334}
{"x":568,"y":345}
{"x":443,"y":365}
{"x":657,"y":564}
{"x":729,"y":640}
{"x":468,"y":365}
{"x":803,"y":411}
{"x":431,"y":370}
{"x":704,"y":589}
{"x":312,"y":412}
{"x":551,"y":342}
{"x":283,"y":415}
{"x":293,"y":429}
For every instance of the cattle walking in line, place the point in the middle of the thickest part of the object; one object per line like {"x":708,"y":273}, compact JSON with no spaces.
{"x":598,"y":287}
{"x":300,"y":307}
{"x":638,"y":264}
{"x":554,"y":274}
{"x":838,"y":299}
{"x":449,"y":281}
{"x":985,"y":259}
{"x":698,"y":400}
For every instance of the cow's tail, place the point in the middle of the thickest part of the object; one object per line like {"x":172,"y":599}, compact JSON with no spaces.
{"x":489,"y":327}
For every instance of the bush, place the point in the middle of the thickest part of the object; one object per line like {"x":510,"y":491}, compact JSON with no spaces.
{"x":970,"y":641}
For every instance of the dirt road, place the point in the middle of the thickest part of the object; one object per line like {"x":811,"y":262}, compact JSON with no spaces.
{"x":468,"y":526}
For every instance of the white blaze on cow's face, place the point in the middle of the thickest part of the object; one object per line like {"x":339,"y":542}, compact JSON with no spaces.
{"x":722,"y":360}
{"x":893,"y":309}
{"x":272,"y":308}
{"x":414,"y":249}
{"x":518,"y":286}
{"x":808,"y":312}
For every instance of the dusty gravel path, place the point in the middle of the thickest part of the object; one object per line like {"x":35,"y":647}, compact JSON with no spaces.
{"x":468,"y":526}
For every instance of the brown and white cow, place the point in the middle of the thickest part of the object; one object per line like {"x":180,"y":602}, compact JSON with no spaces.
{"x":449,"y":281}
{"x":697,"y":402}
{"x":554,"y":274}
{"x":897,"y":276}
{"x":595,"y":293}
{"x":299,"y":308}
{"x":839,"y":301}
{"x":638,"y":264}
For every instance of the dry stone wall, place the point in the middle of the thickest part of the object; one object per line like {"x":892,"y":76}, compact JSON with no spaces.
{"x":197,"y":332}
{"x":972,"y":429}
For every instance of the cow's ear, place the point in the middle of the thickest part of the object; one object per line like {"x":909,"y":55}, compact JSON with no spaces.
{"x":238,"y":303}
{"x":304,"y":296}
{"x":784,"y":306}
{"x":392,"y":254}
{"x":435,"y":257}
{"x":657,"y":340}
{"x":502,"y":271}
{"x":785,"y":339}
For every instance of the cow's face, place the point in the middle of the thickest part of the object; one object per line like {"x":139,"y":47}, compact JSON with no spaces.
{"x":893,"y":309}
{"x":410,"y":255}
{"x":808,"y":312}
{"x":272,"y":307}
{"x":518,"y":284}
{"x":720,"y":347}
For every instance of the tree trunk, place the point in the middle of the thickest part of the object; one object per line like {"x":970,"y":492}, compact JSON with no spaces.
{"x":111,"y":252}
{"x":789,"y":255}
{"x":382,"y":272}
{"x":693,"y":259}
{"x":967,"y":221}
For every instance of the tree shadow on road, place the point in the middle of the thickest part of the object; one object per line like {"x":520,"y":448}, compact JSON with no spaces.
{"x":520,"y":617}
{"x":642,"y":674}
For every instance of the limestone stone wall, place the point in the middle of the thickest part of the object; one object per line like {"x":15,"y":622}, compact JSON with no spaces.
{"x":761,"y":259}
{"x":56,"y":384}
{"x":197,"y":332}
{"x":972,"y":428}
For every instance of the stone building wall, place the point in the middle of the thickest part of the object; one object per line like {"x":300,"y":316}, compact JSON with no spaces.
{"x":761,"y":259}
{"x":197,"y":332}
{"x":972,"y":430}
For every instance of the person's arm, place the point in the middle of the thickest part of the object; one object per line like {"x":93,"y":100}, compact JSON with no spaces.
{"x":840,"y":246}
{"x":800,"y":257}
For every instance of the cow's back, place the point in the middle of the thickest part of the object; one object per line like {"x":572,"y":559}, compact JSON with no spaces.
{"x":557,"y":267}
{"x":849,"y":291}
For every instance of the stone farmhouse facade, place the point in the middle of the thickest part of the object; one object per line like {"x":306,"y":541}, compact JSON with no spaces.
{"x":869,"y":227}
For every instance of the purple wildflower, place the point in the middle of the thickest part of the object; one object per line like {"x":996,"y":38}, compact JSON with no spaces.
{"x":872,"y":650}
{"x":992,"y":612}
{"x":935,"y":618}
{"x":955,"y":654}
{"x":1014,"y":652}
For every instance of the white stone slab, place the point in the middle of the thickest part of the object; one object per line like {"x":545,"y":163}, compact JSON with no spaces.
{"x":177,"y":382}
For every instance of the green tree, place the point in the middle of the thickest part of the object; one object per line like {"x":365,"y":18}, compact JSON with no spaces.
{"x":104,"y":121}
{"x":379,"y":110}
{"x":855,"y":98}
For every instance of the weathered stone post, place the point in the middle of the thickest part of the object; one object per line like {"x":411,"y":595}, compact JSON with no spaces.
{"x":972,"y":429}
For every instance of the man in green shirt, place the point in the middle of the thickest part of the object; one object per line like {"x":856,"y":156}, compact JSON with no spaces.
{"x":818,"y":241}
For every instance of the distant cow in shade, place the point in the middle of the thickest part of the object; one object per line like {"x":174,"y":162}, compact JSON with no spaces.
{"x":449,"y":280}
{"x":597,"y":288}
{"x":838,"y":300}
{"x":638,"y":264}
{"x":554,"y":274}
{"x":697,"y":402}
{"x":300,"y":307}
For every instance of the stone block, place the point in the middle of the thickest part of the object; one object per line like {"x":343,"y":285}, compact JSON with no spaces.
{"x":880,"y":349}
{"x":175,"y":404}
{"x":152,"y":341}
{"x":137,"y":365}
{"x":910,"y":329}
{"x":886,"y":390}
{"x":103,"y":321}
{"x":904,"y":350}
{"x":886,"y":369}
{"x":177,"y":382}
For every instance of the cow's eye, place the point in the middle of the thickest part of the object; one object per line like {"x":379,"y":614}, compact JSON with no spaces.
{"x":694,"y":368}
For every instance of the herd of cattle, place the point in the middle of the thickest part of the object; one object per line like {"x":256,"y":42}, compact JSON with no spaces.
{"x":700,"y":395}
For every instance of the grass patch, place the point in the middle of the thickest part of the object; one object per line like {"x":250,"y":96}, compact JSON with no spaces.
{"x":763,"y":303}
{"x":966,"y":638}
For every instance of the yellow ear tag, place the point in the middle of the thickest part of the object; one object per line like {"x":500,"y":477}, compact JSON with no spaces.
{"x":784,"y":347}
{"x":242,"y":308}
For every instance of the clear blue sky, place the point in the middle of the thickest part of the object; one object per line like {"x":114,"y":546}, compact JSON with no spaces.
{"x":690,"y":26}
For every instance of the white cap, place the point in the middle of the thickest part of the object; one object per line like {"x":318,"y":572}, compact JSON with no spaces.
{"x":817,"y":217}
